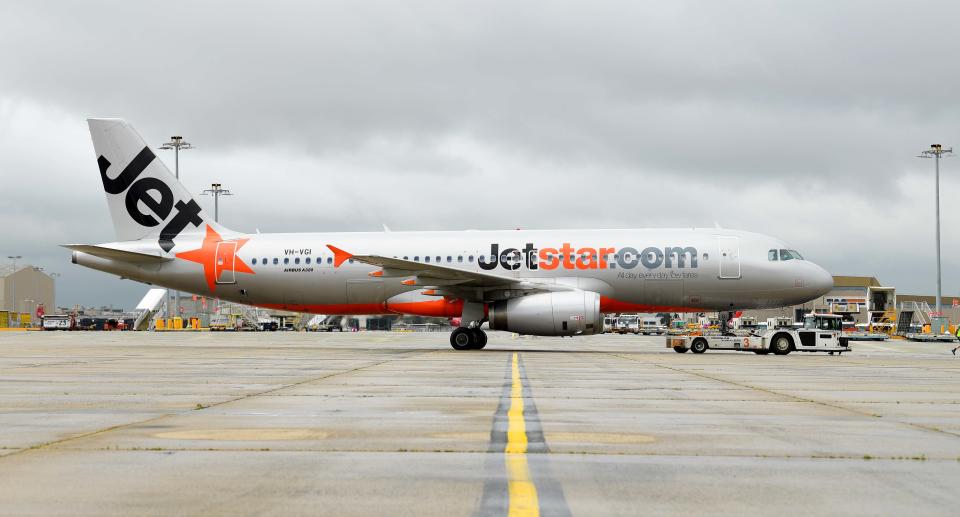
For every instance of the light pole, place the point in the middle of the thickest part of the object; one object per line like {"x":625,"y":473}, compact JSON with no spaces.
{"x":216,"y":190}
{"x":176,"y":143}
{"x":936,"y":151}
{"x":13,"y":287}
{"x":54,"y":276}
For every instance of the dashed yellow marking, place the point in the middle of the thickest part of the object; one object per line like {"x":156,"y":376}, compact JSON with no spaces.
{"x":521,"y":490}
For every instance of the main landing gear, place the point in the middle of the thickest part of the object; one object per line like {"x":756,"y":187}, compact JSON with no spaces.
{"x":464,"y":338}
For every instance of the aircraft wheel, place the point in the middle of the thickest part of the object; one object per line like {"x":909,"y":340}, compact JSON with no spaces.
{"x":782,"y":344}
{"x":699,"y":346}
{"x":680,"y":349}
{"x":461,"y":338}
{"x":479,"y":339}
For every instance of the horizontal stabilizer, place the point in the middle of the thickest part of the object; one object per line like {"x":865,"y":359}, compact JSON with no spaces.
{"x":117,"y":254}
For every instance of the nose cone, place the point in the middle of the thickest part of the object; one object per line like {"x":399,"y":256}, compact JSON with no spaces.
{"x":819,"y":281}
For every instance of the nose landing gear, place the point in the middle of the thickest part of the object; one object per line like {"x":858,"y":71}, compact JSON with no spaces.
{"x":464,"y":338}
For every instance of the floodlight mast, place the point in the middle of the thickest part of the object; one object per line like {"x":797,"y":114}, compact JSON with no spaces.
{"x":176,"y":143}
{"x":937,"y":151}
{"x":216,"y":190}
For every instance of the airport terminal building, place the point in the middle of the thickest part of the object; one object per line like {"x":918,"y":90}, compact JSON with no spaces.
{"x":862,"y":299}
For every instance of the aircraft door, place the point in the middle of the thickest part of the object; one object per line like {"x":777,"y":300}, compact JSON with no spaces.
{"x":226,"y":256}
{"x":729,"y":257}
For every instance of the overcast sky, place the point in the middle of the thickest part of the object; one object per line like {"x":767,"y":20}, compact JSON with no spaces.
{"x":797,"y":119}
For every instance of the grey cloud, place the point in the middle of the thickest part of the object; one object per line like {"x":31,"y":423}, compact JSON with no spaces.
{"x":770,"y":116}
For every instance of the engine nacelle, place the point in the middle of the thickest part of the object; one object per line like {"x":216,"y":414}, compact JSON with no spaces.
{"x":549,"y":314}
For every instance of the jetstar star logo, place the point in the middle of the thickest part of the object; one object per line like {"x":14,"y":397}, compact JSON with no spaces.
{"x":217,"y":256}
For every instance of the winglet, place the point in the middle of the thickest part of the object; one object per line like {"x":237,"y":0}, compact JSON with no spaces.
{"x":339,"y":256}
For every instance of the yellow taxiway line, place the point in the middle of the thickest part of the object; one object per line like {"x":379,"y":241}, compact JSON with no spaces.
{"x":521,"y":490}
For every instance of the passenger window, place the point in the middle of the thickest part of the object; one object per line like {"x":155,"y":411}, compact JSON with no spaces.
{"x":276,"y":261}
{"x":263,"y":261}
{"x":785,"y":255}
{"x":254,"y":261}
{"x":470,"y":258}
{"x":405,"y":257}
{"x":459,"y":258}
{"x":772,"y":255}
{"x":307,"y":260}
{"x":296,"y":260}
{"x":426,"y":259}
{"x":438,"y":259}
{"x":286,"y":260}
{"x":329,"y":260}
{"x":416,"y":258}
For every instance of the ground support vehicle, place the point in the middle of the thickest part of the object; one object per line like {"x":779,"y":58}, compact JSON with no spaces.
{"x":58,"y":322}
{"x":928,"y":337}
{"x":652,"y":326}
{"x":820,"y":333}
{"x":628,"y":324}
{"x":866,"y":336}
{"x":609,"y":323}
{"x":220,"y":323}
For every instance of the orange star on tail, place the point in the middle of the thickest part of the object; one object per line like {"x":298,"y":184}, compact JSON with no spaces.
{"x":216,"y":258}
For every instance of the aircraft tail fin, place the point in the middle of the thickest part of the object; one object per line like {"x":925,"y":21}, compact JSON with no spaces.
{"x":146,"y":201}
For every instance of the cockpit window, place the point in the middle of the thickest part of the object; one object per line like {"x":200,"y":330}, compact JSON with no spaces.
{"x":790,"y":255}
{"x":772,"y":255}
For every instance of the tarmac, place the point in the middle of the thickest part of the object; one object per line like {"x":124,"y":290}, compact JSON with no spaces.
{"x":382,"y":423}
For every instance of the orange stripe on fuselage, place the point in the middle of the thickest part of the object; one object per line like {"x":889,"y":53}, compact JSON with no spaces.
{"x":434,"y":308}
{"x":608,"y":305}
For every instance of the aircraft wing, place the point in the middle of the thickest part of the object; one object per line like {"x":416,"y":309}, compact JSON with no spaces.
{"x":436,"y":275}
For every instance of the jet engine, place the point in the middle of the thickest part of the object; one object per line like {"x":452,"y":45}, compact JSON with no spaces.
{"x":549,"y":314}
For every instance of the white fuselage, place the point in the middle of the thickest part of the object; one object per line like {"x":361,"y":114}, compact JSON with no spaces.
{"x":648,"y":270}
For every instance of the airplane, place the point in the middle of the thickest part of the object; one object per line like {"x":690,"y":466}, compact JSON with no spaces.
{"x":537,"y":282}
